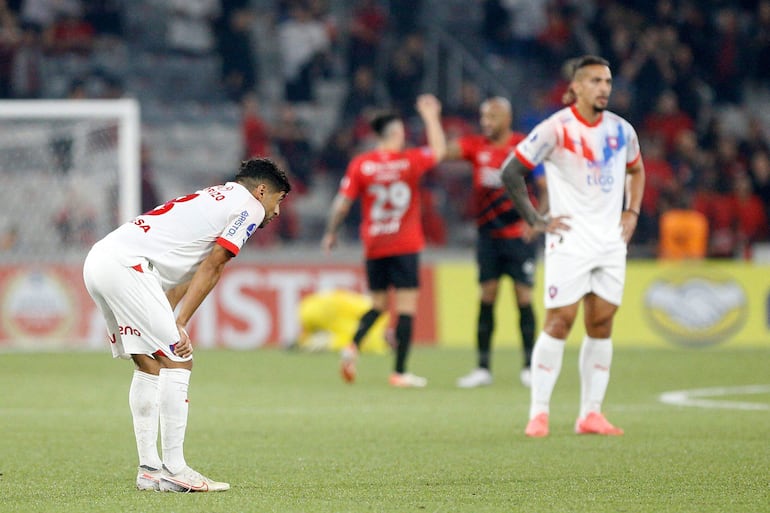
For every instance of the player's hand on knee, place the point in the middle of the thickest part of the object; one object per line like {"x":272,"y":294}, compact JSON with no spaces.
{"x":184,"y":347}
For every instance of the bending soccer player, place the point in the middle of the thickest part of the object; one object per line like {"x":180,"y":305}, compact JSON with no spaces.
{"x":594,"y":161}
{"x":387,"y":181}
{"x":138,"y":274}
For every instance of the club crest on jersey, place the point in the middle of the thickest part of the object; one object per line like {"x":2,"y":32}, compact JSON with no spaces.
{"x":249,"y":231}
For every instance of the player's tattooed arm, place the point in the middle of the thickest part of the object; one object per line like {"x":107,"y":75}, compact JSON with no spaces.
{"x":513,"y":172}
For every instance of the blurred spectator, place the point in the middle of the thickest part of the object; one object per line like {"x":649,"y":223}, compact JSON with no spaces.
{"x":729,"y":63}
{"x":150,"y":197}
{"x":69,"y":34}
{"x":105,"y":17}
{"x":292,"y":142}
{"x":659,"y":181}
{"x":751,"y":217}
{"x":41,"y":14}
{"x":9,"y":238}
{"x":361,"y":94}
{"x":255,"y":133}
{"x":496,"y":28}
{"x":27,"y":66}
{"x":239,"y":71}
{"x":760,"y":43}
{"x":10,"y":38}
{"x":367,"y":28}
{"x":337,"y":152}
{"x":667,"y":121}
{"x":304,"y":44}
{"x":759,"y":171}
{"x":405,"y":74}
{"x":189,"y":28}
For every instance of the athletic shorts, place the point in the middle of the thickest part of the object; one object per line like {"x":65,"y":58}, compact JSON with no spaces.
{"x":569,"y":277}
{"x":514,"y":257}
{"x":131,"y":300}
{"x":400,"y":271}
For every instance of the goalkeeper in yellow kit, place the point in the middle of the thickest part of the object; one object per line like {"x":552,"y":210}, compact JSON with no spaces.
{"x":329,"y":319}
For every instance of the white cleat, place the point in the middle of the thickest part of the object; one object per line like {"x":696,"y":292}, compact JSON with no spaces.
{"x":476,"y":378}
{"x":526,"y":377}
{"x":407,"y":380}
{"x":188,"y":480}
{"x":148,"y":478}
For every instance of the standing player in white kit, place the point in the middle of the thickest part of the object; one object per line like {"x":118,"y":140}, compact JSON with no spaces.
{"x":139,"y":273}
{"x":592,"y":160}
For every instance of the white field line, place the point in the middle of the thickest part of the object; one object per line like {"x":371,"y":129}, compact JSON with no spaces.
{"x":696,"y":397}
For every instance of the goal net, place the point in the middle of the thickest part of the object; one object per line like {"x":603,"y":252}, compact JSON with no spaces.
{"x":69,"y":173}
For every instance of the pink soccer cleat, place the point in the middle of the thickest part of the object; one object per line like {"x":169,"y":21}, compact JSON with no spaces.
{"x":595,"y":424}
{"x":537,"y":426}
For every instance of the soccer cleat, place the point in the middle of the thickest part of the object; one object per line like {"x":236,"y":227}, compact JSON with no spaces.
{"x":525,"y":376}
{"x":537,"y":427}
{"x":348,"y":359}
{"x":148,"y":478}
{"x":188,"y":480}
{"x":595,"y":424}
{"x":406,"y":380}
{"x":479,"y":377}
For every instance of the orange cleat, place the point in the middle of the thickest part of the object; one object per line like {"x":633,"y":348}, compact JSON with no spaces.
{"x":537,"y":426}
{"x":595,"y":424}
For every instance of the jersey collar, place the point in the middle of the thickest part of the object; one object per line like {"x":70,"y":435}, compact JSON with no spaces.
{"x":584,"y":120}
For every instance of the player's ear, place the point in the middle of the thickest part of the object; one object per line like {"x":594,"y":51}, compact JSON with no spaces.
{"x":260,"y":190}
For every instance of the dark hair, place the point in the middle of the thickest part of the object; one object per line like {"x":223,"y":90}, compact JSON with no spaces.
{"x":573,"y":66}
{"x":263,"y":170}
{"x":380,"y":121}
{"x":588,"y":60}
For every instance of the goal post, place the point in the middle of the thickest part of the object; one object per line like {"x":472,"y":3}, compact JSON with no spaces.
{"x":70,"y":172}
{"x":81,"y":153}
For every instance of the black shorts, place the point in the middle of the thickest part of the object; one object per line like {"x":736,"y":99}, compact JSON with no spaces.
{"x":513,"y":257}
{"x":400,"y":271}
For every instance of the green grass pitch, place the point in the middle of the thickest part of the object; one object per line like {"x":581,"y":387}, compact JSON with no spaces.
{"x":291,"y":437}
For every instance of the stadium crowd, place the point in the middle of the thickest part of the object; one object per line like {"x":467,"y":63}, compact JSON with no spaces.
{"x":692,"y":76}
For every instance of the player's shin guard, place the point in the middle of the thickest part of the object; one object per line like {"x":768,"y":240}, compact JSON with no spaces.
{"x":595,"y":360}
{"x":144,"y":401}
{"x":403,"y":341}
{"x":546,"y":366}
{"x":173,"y":416}
{"x":366,"y":322}
{"x":484,"y":330}
{"x":527,"y":327}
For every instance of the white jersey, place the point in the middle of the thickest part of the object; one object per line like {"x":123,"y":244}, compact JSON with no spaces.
{"x":178,"y":235}
{"x":585,"y":169}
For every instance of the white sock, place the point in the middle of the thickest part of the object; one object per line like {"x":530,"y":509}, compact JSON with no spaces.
{"x":173,"y":416}
{"x":594,"y":365}
{"x":546,"y":365}
{"x":144,"y":401}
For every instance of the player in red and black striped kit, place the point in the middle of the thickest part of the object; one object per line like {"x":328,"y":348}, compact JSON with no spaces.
{"x":505,"y":244}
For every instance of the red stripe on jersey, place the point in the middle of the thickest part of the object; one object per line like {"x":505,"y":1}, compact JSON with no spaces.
{"x":524,"y":160}
{"x":633,"y":162}
{"x":512,"y":231}
{"x":588,"y":153}
{"x":229,"y":246}
{"x":137,"y":267}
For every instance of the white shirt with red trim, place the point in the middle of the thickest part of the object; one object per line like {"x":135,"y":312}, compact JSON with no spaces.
{"x":585,"y":169}
{"x":177,"y":236}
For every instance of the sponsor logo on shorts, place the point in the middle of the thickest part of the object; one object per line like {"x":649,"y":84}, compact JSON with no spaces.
{"x":696,"y":310}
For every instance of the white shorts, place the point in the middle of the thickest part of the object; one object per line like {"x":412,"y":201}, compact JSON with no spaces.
{"x":570,"y":277}
{"x":138,"y":315}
